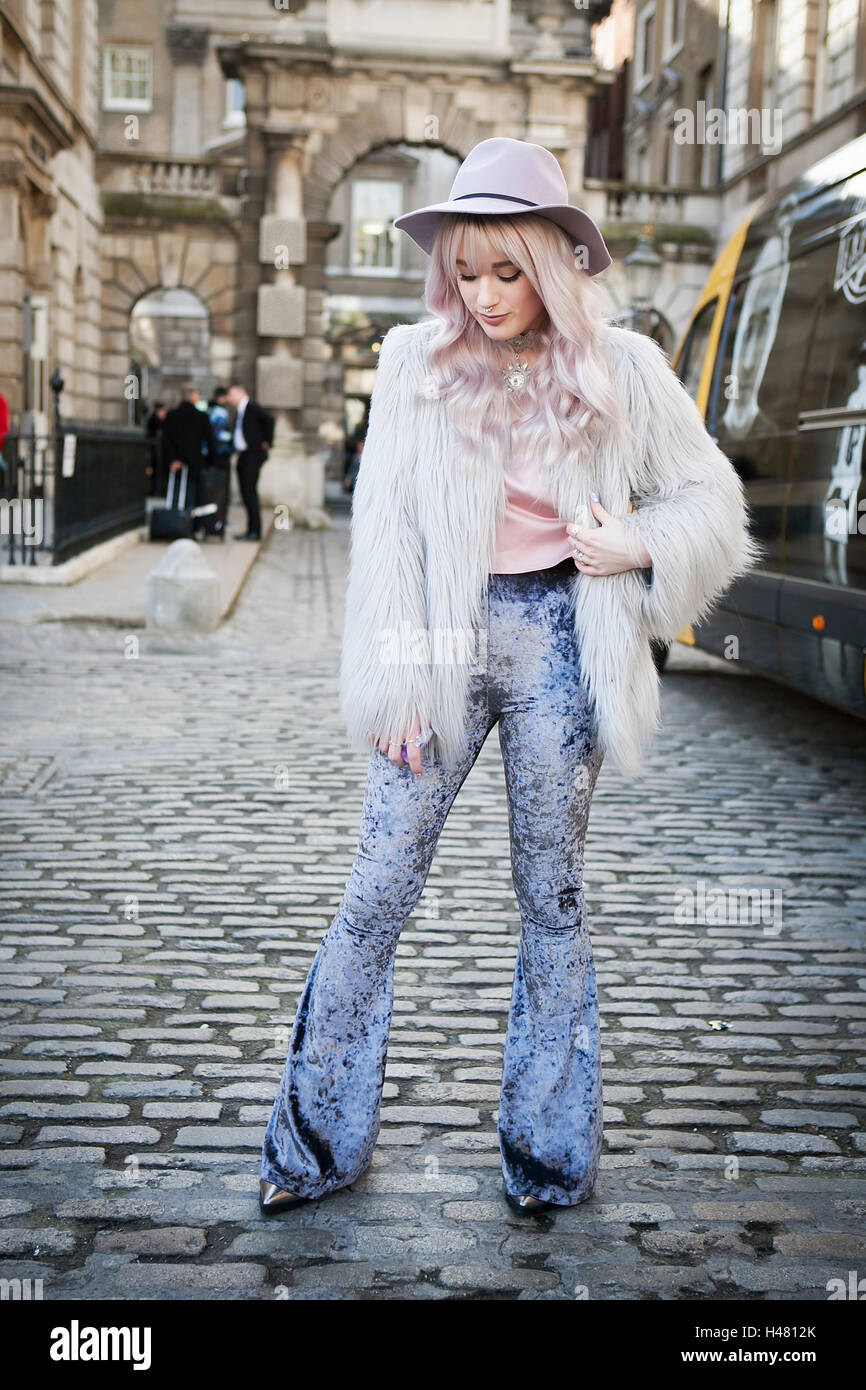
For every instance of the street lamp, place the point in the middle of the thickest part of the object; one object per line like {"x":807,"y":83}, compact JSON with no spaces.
{"x":57,"y":384}
{"x":643,"y":268}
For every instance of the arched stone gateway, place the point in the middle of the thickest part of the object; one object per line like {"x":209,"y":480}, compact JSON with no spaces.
{"x":156,"y":272}
{"x":314,"y":112}
{"x":170,"y":343}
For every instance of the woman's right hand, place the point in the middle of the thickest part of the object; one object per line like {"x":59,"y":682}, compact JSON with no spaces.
{"x":413,"y":750}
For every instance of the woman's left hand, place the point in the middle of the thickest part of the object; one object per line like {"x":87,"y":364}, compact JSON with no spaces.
{"x":605,"y":548}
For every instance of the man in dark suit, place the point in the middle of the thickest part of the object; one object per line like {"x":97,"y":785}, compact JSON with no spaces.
{"x":153,"y":426}
{"x":188,"y":437}
{"x":252,"y":437}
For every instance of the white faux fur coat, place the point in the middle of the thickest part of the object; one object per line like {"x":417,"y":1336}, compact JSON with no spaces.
{"x":424,"y":525}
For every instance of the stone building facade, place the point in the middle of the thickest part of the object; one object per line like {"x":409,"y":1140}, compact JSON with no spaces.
{"x":50,"y":216}
{"x":253,"y":158}
{"x":206,"y":187}
{"x":349,"y":93}
{"x":171,"y":172}
{"x":761,"y":89}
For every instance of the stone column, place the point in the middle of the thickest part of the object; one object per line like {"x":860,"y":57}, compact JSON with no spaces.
{"x":292,"y":478}
{"x":558,"y":88}
{"x":322,"y":416}
{"x":13,"y":263}
{"x":187,"y":45}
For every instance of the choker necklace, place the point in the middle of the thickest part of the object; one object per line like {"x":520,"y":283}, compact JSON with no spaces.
{"x":516,"y":374}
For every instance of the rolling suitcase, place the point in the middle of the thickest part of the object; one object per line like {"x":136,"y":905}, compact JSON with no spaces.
{"x":215,"y":490}
{"x":173,"y":521}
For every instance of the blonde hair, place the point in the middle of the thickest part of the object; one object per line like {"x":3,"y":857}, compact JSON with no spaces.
{"x":570,"y":393}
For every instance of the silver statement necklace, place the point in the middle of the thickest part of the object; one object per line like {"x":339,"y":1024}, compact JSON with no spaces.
{"x":516,"y":373}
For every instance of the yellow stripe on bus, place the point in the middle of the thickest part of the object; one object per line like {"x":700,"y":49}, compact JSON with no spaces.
{"x":718,"y":282}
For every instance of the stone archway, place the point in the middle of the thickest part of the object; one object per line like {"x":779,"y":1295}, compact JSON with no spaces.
{"x":140,"y":261}
{"x":170,"y":336}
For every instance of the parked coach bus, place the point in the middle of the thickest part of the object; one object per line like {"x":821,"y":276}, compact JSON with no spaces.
{"x":775,"y":358}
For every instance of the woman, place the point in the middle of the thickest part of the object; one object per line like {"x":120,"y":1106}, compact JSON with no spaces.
{"x":498,"y":577}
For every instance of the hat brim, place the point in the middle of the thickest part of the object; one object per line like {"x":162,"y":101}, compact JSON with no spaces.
{"x":423,"y":224}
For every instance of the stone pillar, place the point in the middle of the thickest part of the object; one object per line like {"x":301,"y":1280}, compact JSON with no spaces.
{"x":558,"y":90}
{"x":187,"y":45}
{"x":292,"y":478}
{"x":255,"y":184}
{"x":13,"y":260}
{"x":557,"y":118}
{"x":322,"y":415}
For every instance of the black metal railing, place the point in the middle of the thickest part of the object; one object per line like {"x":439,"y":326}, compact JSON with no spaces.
{"x":24,"y":464}
{"x":65,"y":491}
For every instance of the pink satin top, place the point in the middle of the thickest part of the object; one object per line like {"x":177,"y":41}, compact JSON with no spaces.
{"x":532,"y":535}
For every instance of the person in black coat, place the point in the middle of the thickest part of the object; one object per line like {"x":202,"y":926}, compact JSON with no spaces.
{"x":188,"y":437}
{"x":252,"y":437}
{"x":153,"y":433}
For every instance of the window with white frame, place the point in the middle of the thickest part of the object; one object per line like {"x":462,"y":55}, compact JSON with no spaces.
{"x":645,"y":40}
{"x":674,"y":11}
{"x":374,"y":243}
{"x":234,"y":114}
{"x":127,"y":77}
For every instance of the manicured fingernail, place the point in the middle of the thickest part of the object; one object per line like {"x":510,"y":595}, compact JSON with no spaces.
{"x":594,"y":496}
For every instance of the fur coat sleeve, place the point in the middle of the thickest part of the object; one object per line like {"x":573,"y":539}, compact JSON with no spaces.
{"x":385,"y":613}
{"x":691,"y":508}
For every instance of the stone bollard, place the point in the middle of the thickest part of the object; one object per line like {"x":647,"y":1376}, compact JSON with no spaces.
{"x":183,"y":592}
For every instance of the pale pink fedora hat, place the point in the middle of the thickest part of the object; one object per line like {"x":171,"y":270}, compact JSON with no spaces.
{"x":502,"y":176}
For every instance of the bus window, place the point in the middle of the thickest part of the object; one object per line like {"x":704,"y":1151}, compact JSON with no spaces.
{"x":835,"y":377}
{"x":691,"y":361}
{"x":765,"y":349}
{"x":826,"y":524}
{"x":756,"y":398}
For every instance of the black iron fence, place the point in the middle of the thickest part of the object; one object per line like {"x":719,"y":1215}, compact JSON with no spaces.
{"x":65,"y":491}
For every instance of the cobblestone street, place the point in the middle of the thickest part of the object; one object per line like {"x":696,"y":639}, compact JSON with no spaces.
{"x":179,"y":817}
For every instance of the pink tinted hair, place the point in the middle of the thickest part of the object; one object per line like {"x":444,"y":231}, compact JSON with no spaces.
{"x":570,"y":393}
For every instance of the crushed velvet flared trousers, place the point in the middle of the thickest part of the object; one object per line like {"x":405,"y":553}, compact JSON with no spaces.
{"x":325,"y":1119}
